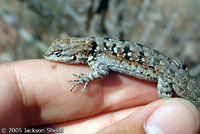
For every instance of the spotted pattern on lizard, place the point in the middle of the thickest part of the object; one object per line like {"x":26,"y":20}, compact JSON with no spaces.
{"x":130,"y":58}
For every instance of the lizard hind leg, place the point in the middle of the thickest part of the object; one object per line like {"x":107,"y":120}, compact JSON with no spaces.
{"x":164,"y":88}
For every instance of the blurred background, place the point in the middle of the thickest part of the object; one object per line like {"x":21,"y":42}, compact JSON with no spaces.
{"x":27,"y":27}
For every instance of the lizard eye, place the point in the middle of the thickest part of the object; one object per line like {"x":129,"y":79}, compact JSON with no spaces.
{"x":57,"y":53}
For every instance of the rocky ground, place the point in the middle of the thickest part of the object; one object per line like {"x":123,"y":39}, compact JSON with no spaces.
{"x":27,"y":27}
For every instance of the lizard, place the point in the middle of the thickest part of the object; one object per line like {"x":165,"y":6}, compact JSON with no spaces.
{"x":130,"y":58}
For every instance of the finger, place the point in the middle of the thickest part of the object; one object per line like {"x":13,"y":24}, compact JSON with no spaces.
{"x":162,"y":116}
{"x":91,"y":124}
{"x":167,"y":116}
{"x":37,"y":92}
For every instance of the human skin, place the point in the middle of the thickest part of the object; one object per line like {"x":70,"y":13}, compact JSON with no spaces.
{"x":35,"y":93}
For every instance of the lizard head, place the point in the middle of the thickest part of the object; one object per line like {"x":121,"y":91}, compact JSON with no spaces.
{"x":71,"y":51}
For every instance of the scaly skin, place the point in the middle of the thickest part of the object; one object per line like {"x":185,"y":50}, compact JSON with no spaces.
{"x":134,"y":59}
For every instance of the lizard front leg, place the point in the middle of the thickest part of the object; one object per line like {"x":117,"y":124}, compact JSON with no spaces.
{"x":100,"y":70}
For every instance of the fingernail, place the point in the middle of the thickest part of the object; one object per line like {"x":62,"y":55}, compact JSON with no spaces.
{"x":173,"y":116}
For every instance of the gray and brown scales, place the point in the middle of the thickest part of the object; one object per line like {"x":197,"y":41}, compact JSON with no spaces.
{"x":130,"y":58}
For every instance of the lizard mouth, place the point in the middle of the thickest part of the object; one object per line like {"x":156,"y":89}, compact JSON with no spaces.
{"x":59,"y":59}
{"x":46,"y":56}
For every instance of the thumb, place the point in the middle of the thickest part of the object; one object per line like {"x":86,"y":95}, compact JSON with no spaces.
{"x":174,"y":116}
{"x":161,"y":117}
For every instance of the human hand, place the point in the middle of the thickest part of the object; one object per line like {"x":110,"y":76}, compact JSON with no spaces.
{"x":36,"y":93}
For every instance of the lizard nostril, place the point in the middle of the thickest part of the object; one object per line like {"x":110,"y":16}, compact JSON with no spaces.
{"x":46,"y":54}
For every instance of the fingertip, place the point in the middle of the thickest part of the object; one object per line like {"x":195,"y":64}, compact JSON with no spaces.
{"x":11,"y":105}
{"x":173,"y":116}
